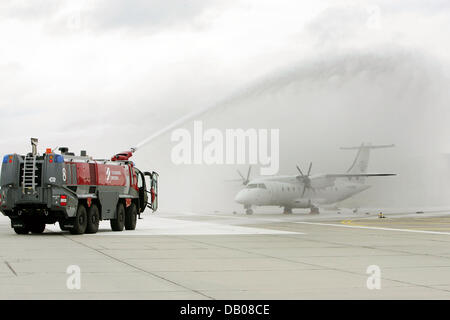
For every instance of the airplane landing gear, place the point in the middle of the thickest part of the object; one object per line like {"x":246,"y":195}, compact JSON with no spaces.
{"x":287,"y":210}
{"x":248,"y":210}
{"x":314,"y":210}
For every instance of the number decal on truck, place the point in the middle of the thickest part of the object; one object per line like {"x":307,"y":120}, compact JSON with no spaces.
{"x":64,"y":176}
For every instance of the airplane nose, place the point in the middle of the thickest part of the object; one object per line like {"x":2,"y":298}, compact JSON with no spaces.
{"x":240,"y":197}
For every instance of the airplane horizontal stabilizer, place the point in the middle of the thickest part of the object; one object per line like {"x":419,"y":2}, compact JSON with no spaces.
{"x":359,"y":175}
{"x":369,"y":146}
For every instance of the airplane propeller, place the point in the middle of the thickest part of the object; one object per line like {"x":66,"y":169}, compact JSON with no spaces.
{"x":245,"y":180}
{"x":305,"y":179}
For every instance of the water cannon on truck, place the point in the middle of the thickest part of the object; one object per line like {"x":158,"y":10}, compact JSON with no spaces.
{"x":75,"y":191}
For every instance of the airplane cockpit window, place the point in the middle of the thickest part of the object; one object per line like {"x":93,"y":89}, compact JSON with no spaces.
{"x":255,"y":186}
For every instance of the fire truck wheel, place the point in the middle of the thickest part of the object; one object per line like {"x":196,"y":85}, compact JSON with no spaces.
{"x":21,"y":230}
{"x":118,"y":223}
{"x":93,"y":219}
{"x":80,"y":221}
{"x":131,"y":217}
{"x":61,"y":226}
{"x":37,"y":227}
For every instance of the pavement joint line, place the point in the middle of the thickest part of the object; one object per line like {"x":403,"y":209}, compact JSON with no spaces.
{"x":10,"y":268}
{"x":138,"y":268}
{"x":436,"y":287}
{"x":326,"y":267}
{"x":369,"y":247}
{"x":408,"y":225}
{"x":402,"y":252}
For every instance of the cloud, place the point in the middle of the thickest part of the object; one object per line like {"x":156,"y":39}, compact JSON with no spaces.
{"x":336,"y":24}
{"x":30,"y":10}
{"x":65,"y":16}
{"x":137,"y":14}
{"x":359,"y":25}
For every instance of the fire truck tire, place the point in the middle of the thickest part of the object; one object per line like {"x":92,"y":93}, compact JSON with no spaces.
{"x":37,"y":227}
{"x":80,"y":221}
{"x":93,"y":219}
{"x":131,"y":217}
{"x":118,"y":223}
{"x":61,"y":226}
{"x":21,"y":230}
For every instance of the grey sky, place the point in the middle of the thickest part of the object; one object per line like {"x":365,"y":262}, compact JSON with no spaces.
{"x":144,"y":14}
{"x":103,"y":75}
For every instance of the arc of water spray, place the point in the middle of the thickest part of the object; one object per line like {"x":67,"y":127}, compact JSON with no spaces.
{"x":173,"y":125}
{"x":222,"y":103}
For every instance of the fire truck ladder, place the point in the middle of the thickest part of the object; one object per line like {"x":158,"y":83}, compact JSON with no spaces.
{"x":29,"y":174}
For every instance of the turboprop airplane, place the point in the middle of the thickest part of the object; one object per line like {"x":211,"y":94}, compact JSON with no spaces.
{"x":306,"y":190}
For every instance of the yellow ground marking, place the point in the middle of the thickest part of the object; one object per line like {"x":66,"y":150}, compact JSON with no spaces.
{"x":423,"y":224}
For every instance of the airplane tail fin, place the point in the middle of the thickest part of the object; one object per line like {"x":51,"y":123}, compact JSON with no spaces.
{"x":361,"y":162}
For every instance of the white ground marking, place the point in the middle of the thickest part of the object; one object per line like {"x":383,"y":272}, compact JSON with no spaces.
{"x":373,"y":228}
{"x":163,"y":226}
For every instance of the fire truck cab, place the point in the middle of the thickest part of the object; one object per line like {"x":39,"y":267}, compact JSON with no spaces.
{"x":75,"y":191}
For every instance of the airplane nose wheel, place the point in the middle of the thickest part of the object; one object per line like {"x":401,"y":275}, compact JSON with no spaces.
{"x":287,"y":211}
{"x":248,"y":210}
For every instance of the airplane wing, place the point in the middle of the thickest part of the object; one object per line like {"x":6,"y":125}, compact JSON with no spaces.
{"x":321,"y":178}
{"x":288,"y":179}
{"x":359,"y":175}
{"x":291,"y":179}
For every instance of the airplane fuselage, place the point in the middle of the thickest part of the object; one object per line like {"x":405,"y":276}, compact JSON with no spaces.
{"x":307,"y":190}
{"x":289,"y":194}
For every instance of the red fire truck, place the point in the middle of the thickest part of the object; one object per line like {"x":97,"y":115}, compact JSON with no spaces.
{"x":76,"y":191}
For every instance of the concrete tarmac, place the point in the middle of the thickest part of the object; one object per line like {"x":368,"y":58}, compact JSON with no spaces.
{"x":226,"y":256}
